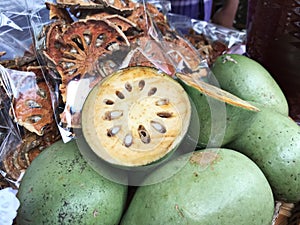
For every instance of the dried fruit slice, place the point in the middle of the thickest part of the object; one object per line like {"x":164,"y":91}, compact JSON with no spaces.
{"x":20,"y":157}
{"x":85,"y":4}
{"x":123,"y":23}
{"x":183,"y":54}
{"x":208,"y":49}
{"x":33,"y":108}
{"x":122,"y":7}
{"x":84,"y":42}
{"x":141,"y":14}
{"x":135,"y":117}
{"x":148,"y":52}
{"x":54,"y":43}
{"x":58,"y":13}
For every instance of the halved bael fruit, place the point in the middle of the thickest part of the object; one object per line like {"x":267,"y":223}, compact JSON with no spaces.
{"x":222,"y":116}
{"x":136,"y":117}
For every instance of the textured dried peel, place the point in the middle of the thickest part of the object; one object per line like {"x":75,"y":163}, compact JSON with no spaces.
{"x":33,"y":109}
{"x":142,"y":17}
{"x":123,"y":23}
{"x":149,"y":53}
{"x":183,"y":53}
{"x":18,"y":159}
{"x":58,"y":13}
{"x":135,"y":116}
{"x":85,"y":4}
{"x":54,"y":42}
{"x":120,"y":4}
{"x":208,"y":49}
{"x":77,"y":49}
{"x":120,"y":7}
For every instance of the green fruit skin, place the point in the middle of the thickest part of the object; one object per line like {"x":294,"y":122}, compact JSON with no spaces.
{"x":250,"y":81}
{"x":273,"y":143}
{"x":220,"y":123}
{"x":230,"y":190}
{"x":59,"y":187}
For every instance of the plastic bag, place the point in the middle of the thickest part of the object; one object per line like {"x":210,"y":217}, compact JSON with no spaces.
{"x":233,"y":40}
{"x":9,"y":205}
{"x":27,"y":119}
{"x":16,"y":20}
{"x":81,"y":46}
{"x":20,"y":144}
{"x":10,"y":135}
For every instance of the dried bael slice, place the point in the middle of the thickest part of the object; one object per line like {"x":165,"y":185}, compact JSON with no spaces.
{"x":135,"y":117}
{"x":129,"y":28}
{"x":148,"y":52}
{"x":184,"y":55}
{"x":123,"y":7}
{"x":141,"y":15}
{"x":33,"y":108}
{"x":86,"y":41}
{"x":85,"y":4}
{"x":19,"y":157}
{"x":58,"y":13}
{"x":208,"y":49}
{"x":54,"y":43}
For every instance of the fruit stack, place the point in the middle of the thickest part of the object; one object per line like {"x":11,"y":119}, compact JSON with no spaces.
{"x":233,"y":181}
{"x":156,"y":139}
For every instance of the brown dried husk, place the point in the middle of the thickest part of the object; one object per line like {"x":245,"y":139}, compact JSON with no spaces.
{"x":20,"y":148}
{"x":287,"y":214}
{"x":19,"y":158}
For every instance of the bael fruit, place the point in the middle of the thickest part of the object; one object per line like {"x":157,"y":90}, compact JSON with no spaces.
{"x":273,"y":143}
{"x":216,"y":186}
{"x":59,"y":187}
{"x":249,"y":80}
{"x":135,"y":117}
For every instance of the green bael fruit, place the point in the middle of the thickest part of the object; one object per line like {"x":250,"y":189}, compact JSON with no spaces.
{"x":216,"y":186}
{"x":273,"y":143}
{"x":249,"y":80}
{"x":60,"y":187}
{"x":222,"y":116}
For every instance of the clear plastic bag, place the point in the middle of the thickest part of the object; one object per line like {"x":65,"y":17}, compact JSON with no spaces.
{"x":75,"y":70}
{"x":19,"y":144}
{"x":16,"y":36}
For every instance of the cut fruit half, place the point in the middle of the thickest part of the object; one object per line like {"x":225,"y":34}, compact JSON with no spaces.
{"x":135,"y":117}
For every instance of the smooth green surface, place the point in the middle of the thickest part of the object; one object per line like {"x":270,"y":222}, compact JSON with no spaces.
{"x":250,"y":81}
{"x":229,"y":190}
{"x":59,"y":187}
{"x":273,"y":142}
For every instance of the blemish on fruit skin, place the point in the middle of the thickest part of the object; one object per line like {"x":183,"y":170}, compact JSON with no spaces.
{"x":179,"y":211}
{"x":205,"y":159}
{"x":228,"y":58}
{"x":95,"y":213}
